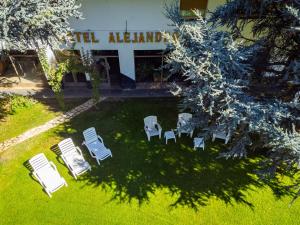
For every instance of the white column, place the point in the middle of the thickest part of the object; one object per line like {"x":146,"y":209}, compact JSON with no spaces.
{"x":126,"y":59}
{"x":82,"y":52}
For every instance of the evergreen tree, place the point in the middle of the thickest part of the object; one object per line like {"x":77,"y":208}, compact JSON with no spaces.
{"x":273,"y":26}
{"x":30,"y":24}
{"x":219,"y":71}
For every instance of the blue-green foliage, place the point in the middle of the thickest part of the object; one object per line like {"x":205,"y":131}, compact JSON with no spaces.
{"x":29,"y":24}
{"x":218,"y":73}
{"x":274,"y":27}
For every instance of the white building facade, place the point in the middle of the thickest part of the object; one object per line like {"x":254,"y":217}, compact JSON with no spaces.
{"x":126,"y":37}
{"x":124,"y":26}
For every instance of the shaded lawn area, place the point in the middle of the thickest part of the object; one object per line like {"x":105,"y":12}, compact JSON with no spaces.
{"x":144,"y":183}
{"x":13,"y":125}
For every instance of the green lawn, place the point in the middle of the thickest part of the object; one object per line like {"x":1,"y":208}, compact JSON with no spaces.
{"x":27,"y":118}
{"x":144,"y":183}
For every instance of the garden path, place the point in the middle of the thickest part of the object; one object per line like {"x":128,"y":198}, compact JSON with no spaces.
{"x":50,"y":124}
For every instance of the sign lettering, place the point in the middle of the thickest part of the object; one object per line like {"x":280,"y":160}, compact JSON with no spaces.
{"x":123,"y":37}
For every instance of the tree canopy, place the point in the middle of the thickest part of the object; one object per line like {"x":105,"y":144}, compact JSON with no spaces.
{"x":29,"y":24}
{"x":274,"y":27}
{"x":219,"y":70}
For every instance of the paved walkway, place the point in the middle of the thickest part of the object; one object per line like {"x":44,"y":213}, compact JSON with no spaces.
{"x":50,"y":124}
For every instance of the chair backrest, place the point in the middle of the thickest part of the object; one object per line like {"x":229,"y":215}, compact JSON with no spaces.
{"x":39,"y":161}
{"x":90,"y":135}
{"x":184,"y":117}
{"x":150,"y":121}
{"x":67,"y":146}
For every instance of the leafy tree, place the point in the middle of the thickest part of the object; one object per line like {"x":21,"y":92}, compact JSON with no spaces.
{"x":38,"y":24}
{"x":218,"y":71}
{"x":274,"y":29}
{"x":55,"y":76}
{"x":89,"y":66}
{"x":32,"y":24}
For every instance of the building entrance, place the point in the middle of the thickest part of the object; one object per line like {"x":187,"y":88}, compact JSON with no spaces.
{"x":107,"y":62}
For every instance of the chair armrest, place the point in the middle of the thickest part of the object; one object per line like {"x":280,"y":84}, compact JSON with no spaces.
{"x":100,"y":139}
{"x":158,"y":126}
{"x":79,"y":150}
{"x":38,"y":178}
{"x":53,"y":165}
{"x":146,"y":129}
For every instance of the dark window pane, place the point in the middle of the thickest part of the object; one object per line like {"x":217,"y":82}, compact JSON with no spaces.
{"x":81,"y":77}
{"x":68,"y":77}
{"x":105,"y":53}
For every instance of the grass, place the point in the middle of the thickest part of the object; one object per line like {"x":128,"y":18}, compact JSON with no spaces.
{"x":144,"y":183}
{"x":12,"y":125}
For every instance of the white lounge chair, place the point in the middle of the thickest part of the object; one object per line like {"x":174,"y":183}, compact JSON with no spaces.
{"x":95,"y":145}
{"x":184,"y":124}
{"x":46,"y":173}
{"x":73,"y":157}
{"x":221,"y":134}
{"x":152,"y":127}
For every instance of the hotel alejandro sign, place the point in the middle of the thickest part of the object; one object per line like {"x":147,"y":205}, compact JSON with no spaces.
{"x":122,"y":37}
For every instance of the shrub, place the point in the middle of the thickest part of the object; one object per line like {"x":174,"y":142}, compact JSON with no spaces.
{"x":12,"y":104}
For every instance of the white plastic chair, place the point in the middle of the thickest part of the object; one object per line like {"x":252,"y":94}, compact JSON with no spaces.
{"x":221,"y":134}
{"x":152,"y":127}
{"x":184,"y":124}
{"x":73,"y":158}
{"x":95,"y":145}
{"x":46,"y":173}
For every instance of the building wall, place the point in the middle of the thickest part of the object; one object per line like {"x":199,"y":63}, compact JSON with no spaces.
{"x":118,"y":16}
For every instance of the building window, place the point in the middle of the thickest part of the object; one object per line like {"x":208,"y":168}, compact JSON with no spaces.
{"x":147,"y":65}
{"x":187,"y":7}
{"x":108,"y":65}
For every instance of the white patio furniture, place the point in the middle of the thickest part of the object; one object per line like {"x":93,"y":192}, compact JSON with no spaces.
{"x":95,"y":145}
{"x":73,"y":157}
{"x":221,"y":134}
{"x":46,"y":173}
{"x":184,"y":124}
{"x":170,"y":135}
{"x":198,"y":143}
{"x":152,"y":127}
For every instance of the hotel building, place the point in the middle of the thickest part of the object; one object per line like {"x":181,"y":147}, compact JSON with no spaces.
{"x":123,"y":36}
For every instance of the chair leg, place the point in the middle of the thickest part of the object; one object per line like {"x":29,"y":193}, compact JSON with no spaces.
{"x":226,"y":141}
{"x":191,"y":134}
{"x":214,"y":137}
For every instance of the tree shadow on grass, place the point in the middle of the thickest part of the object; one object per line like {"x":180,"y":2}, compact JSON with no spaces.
{"x":139,"y":168}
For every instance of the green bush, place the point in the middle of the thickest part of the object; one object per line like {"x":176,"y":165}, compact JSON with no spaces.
{"x":12,"y":104}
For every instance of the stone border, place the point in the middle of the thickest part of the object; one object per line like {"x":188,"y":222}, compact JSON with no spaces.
{"x":50,"y":124}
